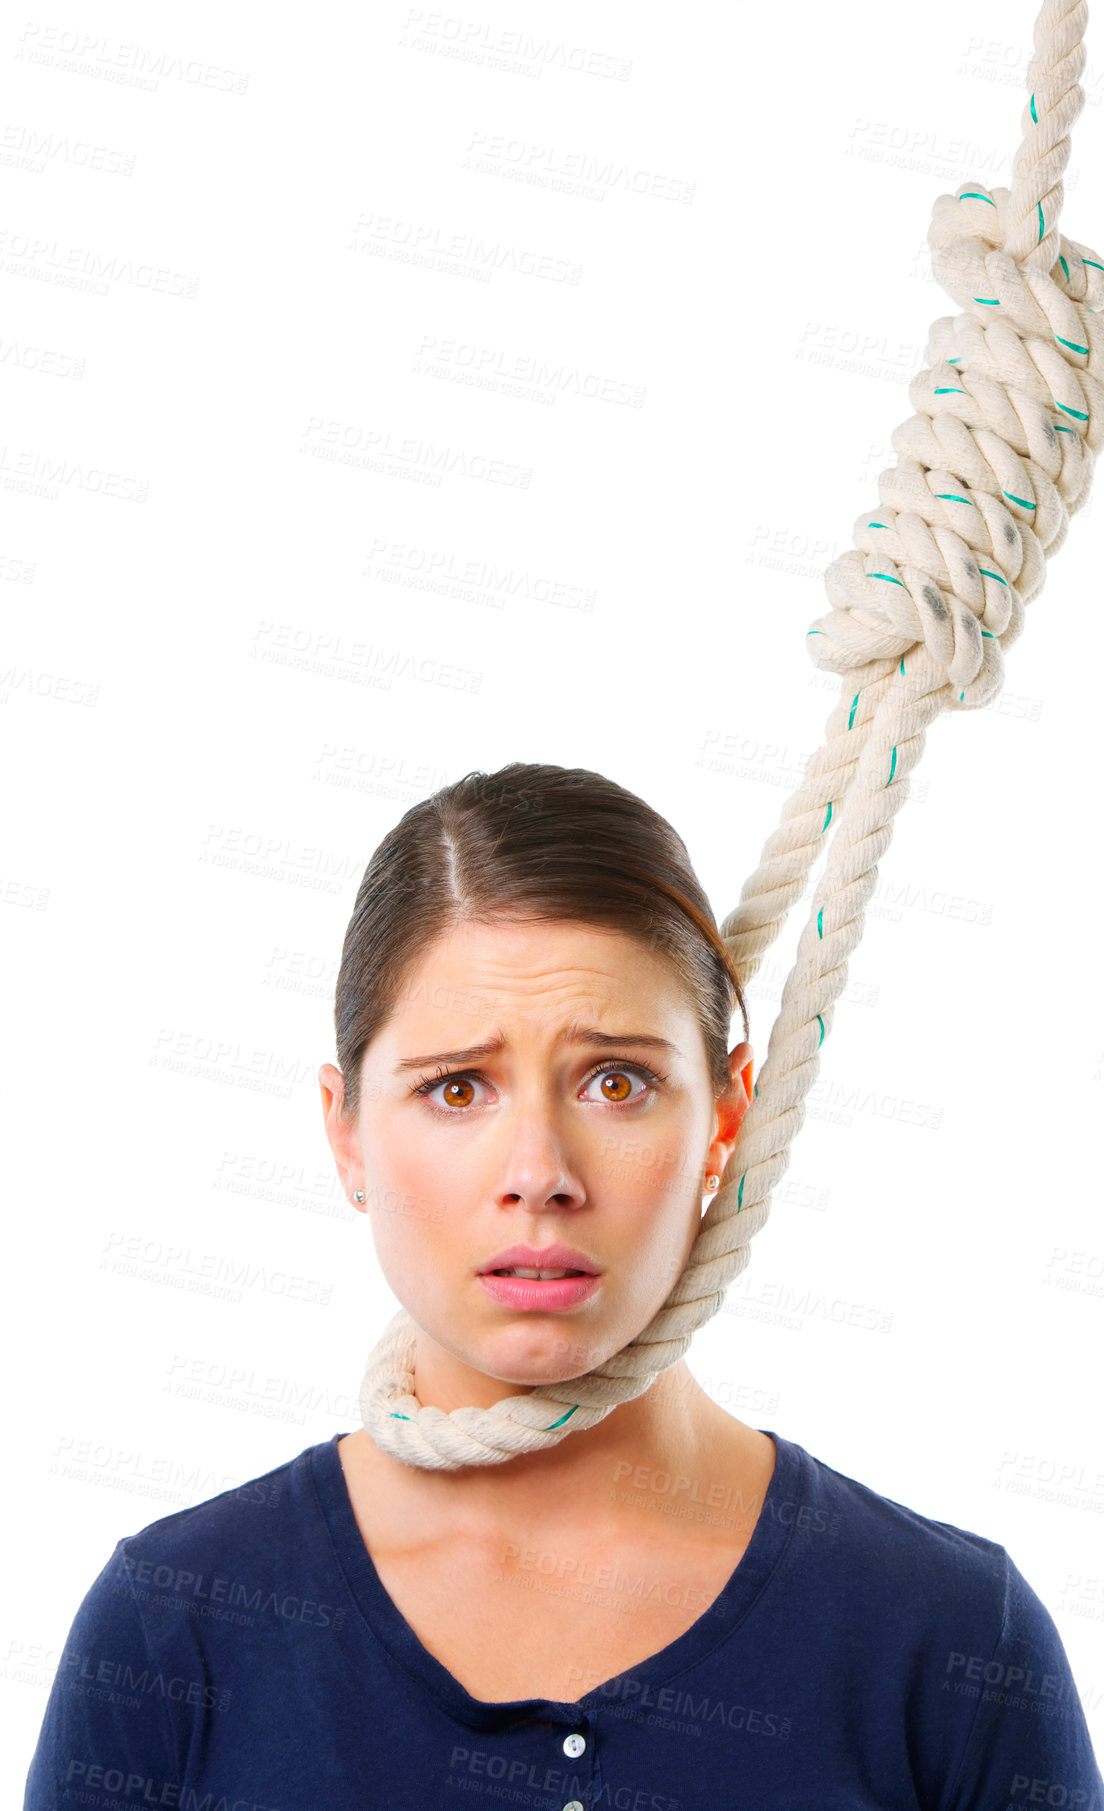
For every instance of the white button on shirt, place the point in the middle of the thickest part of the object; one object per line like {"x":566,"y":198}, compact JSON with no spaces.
{"x":574,"y":1745}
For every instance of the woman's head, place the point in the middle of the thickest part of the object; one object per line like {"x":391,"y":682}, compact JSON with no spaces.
{"x":531,"y":909}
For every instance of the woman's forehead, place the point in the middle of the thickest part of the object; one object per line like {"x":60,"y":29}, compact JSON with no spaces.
{"x":542,"y":956}
{"x":488,"y":995}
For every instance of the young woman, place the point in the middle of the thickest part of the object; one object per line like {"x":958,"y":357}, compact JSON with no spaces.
{"x":667,"y":1609}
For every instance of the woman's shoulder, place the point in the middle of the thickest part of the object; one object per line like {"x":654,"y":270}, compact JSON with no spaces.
{"x":883,"y":1592}
{"x":258,"y":1513}
{"x":131,"y":1681}
{"x":882,"y":1543}
{"x":866,"y":1510}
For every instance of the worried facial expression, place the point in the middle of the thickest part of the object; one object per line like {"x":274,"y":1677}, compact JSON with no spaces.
{"x":535,"y":1084}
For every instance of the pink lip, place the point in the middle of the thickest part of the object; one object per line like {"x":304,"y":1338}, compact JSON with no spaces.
{"x":544,"y":1257}
{"x":531,"y":1292}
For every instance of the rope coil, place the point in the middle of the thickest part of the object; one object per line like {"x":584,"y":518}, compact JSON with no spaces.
{"x":999,"y":454}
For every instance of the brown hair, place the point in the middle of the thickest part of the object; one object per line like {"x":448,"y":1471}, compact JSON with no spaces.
{"x":531,"y":843}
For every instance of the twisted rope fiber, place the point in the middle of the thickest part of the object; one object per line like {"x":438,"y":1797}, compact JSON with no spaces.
{"x":996,"y":459}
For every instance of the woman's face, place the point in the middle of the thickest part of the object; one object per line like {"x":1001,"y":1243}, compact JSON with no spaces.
{"x":552,"y":1136}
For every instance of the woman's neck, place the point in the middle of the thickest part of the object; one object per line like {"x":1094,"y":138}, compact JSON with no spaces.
{"x":670,"y":1459}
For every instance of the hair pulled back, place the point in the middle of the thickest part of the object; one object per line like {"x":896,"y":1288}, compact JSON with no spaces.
{"x":530,"y":843}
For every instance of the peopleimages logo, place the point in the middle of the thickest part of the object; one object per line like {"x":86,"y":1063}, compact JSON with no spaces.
{"x":211,"y":1587}
{"x":80,"y":1670}
{"x":141,"y":1788}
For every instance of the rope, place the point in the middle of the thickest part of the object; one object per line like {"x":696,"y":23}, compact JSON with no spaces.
{"x":997,"y":457}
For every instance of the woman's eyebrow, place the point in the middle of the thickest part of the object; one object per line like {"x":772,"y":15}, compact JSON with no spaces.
{"x":579,"y":1035}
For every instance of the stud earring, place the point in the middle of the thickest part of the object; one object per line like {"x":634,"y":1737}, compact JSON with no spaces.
{"x":358,"y":1195}
{"x":712,"y":1183}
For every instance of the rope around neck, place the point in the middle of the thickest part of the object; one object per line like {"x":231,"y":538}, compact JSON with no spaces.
{"x":997,"y":458}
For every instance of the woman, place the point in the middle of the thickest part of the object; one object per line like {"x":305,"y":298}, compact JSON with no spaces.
{"x":666,"y":1609}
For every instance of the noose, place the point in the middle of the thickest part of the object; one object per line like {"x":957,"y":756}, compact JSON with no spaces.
{"x":997,"y":457}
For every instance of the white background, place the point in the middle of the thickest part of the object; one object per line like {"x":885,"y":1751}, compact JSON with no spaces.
{"x":208,"y":288}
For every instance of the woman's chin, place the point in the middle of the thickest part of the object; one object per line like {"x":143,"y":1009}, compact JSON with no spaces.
{"x":535,"y":1359}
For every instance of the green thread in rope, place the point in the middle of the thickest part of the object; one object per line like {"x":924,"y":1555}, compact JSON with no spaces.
{"x":815,"y":632}
{"x":827,"y":820}
{"x":892,"y":767}
{"x":986,"y":574}
{"x":740,"y":1195}
{"x":976,"y":195}
{"x":1042,"y":229}
{"x":820,"y":922}
{"x":560,"y":1422}
{"x":395,"y":1416}
{"x":820,"y":1022}
{"x":950,"y":496}
{"x":902,"y":666}
{"x":1092,"y":263}
{"x":1034,"y":115}
{"x":989,"y":633}
{"x":948,"y":390}
{"x":1079,"y":413}
{"x":988,"y":301}
{"x":1072,"y":344}
{"x":854,"y":702}
{"x":1065,"y":267}
{"x":890,"y":580}
{"x":1012,"y":498}
{"x":755,"y":1090}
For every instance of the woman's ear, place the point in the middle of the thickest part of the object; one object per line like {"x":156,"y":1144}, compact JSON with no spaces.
{"x":342,"y":1132}
{"x":741,"y":1064}
{"x":731,"y":1108}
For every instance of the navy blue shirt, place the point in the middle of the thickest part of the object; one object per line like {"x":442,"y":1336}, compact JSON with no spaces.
{"x":243,"y":1655}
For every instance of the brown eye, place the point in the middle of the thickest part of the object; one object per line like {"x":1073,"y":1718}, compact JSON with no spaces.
{"x":616,"y":1079}
{"x":457,"y":1093}
{"x":617,"y":1085}
{"x":452,"y":1092}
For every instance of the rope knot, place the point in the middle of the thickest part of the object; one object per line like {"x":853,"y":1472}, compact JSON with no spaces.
{"x":999,"y":454}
